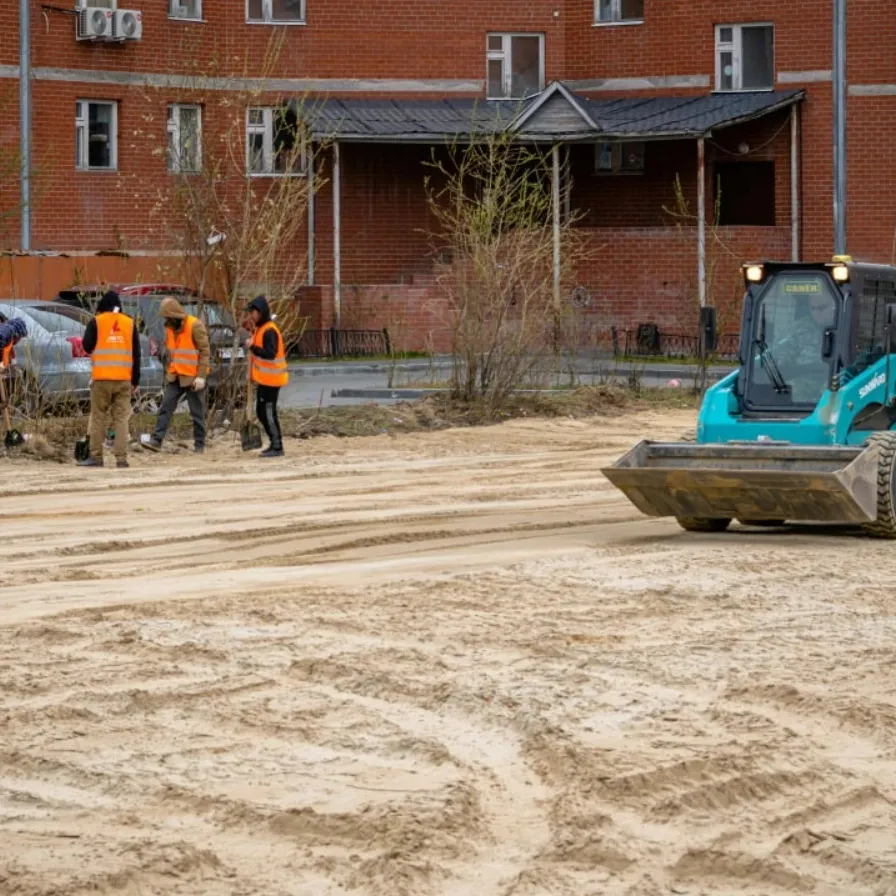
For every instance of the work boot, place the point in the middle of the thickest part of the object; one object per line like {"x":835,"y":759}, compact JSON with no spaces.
{"x":90,"y":462}
{"x":272,"y":452}
{"x":122,"y":464}
{"x":199,"y":449}
{"x":150,"y":443}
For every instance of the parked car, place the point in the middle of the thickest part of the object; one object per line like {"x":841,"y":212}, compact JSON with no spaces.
{"x":142,"y":301}
{"x":51,"y":364}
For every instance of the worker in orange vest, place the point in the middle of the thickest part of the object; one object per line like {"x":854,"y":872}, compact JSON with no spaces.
{"x":10,"y":333}
{"x":189,"y":353}
{"x":113,"y":343}
{"x":267,"y":362}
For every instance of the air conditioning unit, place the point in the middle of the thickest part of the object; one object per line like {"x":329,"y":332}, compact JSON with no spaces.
{"x":94,"y":23}
{"x":128,"y":24}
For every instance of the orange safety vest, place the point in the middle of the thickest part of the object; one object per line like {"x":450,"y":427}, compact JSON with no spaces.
{"x":113,"y":357}
{"x":182,"y":352}
{"x":6,"y":356}
{"x":269,"y":373}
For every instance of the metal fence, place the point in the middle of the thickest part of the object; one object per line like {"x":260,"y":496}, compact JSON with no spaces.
{"x":333,"y":343}
{"x":648,"y":341}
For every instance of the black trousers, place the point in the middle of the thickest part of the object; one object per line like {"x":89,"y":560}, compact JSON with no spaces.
{"x":266,"y":411}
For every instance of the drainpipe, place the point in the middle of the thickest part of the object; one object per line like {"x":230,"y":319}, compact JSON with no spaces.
{"x":839,"y":127}
{"x":701,"y":221}
{"x":337,"y":236}
{"x":795,"y":182}
{"x":25,"y":120}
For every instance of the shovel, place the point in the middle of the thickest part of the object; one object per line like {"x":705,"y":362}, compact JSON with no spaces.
{"x":250,"y":432}
{"x":13,"y":437}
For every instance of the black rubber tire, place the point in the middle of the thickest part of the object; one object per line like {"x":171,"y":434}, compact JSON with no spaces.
{"x":761,"y":522}
{"x":703,"y":524}
{"x":885,"y":524}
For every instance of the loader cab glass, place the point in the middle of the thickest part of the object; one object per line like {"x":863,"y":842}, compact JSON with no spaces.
{"x":792,"y":341}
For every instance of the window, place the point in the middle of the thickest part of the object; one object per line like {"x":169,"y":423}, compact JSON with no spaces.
{"x":184,"y":138}
{"x":283,"y":12}
{"x":515,"y":65}
{"x":96,"y":135}
{"x":607,"y":11}
{"x":620,"y":158}
{"x":185,"y":9}
{"x":745,"y":193}
{"x":745,"y":57}
{"x":274,"y":144}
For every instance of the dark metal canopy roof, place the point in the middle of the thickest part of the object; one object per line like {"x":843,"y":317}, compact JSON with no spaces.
{"x":557,"y":113}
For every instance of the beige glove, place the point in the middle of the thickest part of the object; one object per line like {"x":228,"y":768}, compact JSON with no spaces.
{"x":199,"y":384}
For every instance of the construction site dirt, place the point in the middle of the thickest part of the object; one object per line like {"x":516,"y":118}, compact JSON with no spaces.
{"x":455,"y":663}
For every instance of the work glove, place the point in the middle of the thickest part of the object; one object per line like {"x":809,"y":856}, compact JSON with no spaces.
{"x":198,"y":384}
{"x":2,"y":368}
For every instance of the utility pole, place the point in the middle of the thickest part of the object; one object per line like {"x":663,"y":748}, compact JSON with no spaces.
{"x":839,"y":127}
{"x":25,"y":120}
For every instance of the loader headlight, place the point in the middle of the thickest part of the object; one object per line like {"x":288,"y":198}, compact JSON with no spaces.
{"x":840,"y":273}
{"x":754,"y":273}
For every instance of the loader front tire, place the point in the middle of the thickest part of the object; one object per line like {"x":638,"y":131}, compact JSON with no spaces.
{"x":703,"y":524}
{"x":885,"y":524}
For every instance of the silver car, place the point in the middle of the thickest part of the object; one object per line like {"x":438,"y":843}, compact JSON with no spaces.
{"x":52,"y":366}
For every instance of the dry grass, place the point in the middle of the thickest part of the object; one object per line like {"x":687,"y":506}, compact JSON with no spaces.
{"x":56,"y":437}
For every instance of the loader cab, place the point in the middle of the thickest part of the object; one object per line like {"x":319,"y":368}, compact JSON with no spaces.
{"x":807,"y":326}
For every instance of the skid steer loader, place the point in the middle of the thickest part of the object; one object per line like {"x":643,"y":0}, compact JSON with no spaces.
{"x":804,"y":430}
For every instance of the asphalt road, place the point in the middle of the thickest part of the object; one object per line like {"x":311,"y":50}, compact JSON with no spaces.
{"x":313,"y":384}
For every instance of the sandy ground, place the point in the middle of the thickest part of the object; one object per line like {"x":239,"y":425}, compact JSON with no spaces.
{"x":453,"y":663}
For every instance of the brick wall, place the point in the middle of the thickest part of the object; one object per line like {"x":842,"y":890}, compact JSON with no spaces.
{"x":385,"y":219}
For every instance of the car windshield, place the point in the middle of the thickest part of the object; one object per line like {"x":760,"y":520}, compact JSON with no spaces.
{"x":790,"y":319}
{"x":212,"y":313}
{"x":54,"y":321}
{"x":78,"y":315}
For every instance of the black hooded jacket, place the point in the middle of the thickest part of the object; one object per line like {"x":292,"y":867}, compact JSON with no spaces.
{"x":268,"y":349}
{"x":109,"y":302}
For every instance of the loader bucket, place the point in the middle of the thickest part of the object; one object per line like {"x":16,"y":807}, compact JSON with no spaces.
{"x":755,"y":481}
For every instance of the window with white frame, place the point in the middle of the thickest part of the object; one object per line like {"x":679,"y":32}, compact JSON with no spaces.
{"x":745,"y":57}
{"x":96,"y":135}
{"x":620,"y":158}
{"x":185,"y":9}
{"x":282,"y":12}
{"x":608,"y":11}
{"x":184,"y":138}
{"x":515,"y":65}
{"x":274,"y":142}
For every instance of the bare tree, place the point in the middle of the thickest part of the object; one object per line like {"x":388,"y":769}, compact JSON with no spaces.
{"x":493,"y":208}
{"x":237,"y":202}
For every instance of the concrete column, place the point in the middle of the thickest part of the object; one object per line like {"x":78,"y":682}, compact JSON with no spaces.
{"x":701,"y":221}
{"x":337,"y":235}
{"x":795,"y":182}
{"x":311,"y":224}
{"x":555,"y":208}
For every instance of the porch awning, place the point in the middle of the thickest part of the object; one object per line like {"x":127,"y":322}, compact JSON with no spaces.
{"x":556,"y":114}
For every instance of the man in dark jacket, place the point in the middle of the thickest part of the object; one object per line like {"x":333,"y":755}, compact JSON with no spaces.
{"x":267,"y":366}
{"x":113,"y":343}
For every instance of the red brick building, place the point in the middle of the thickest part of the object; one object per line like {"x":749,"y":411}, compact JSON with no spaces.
{"x":636,"y":93}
